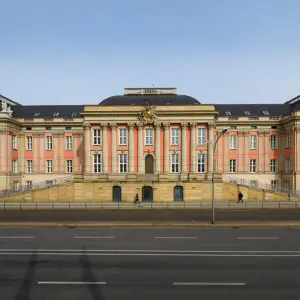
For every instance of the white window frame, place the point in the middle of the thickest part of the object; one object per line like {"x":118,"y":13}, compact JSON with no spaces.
{"x":175,"y":136}
{"x":123,"y":136}
{"x":28,"y":184}
{"x":29,"y":166}
{"x":287,"y":165}
{"x":69,"y":142}
{"x":175,"y":163}
{"x":97,"y":163}
{"x":252,"y":166}
{"x":201,"y":163}
{"x":97,"y":136}
{"x":273,"y":141}
{"x":201,"y":135}
{"x":273,"y":184}
{"x":69,"y":166}
{"x":148,"y":136}
{"x":253,"y":142}
{"x":16,"y":186}
{"x":29,"y":142}
{"x":49,"y":166}
{"x":273,"y":165}
{"x":123,"y":163}
{"x":286,"y":185}
{"x":232,"y":165}
{"x":288,"y":141}
{"x":254,"y":183}
{"x":14,"y":166}
{"x":49,"y":142}
{"x":14,"y":141}
{"x":232,"y":142}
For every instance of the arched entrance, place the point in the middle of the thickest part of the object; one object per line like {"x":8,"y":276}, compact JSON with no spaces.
{"x":147,"y":194}
{"x":149,"y":164}
{"x":117,"y":194}
{"x":178,"y":193}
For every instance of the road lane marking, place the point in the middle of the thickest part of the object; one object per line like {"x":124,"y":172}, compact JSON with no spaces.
{"x":209,"y":283}
{"x":258,"y":238}
{"x":72,"y":282}
{"x":177,"y":237}
{"x":94,"y":237}
{"x":17,"y":237}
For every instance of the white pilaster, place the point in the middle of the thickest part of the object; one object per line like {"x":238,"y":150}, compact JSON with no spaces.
{"x":166,"y":147}
{"x":157,"y":148}
{"x":183,"y":148}
{"x":131,"y":147}
{"x":211,"y":127}
{"x":87,"y":146}
{"x":141,"y":168}
{"x":193,"y":147}
{"x":114,"y":148}
{"x":104,"y":147}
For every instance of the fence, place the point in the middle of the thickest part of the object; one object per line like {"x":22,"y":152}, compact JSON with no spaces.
{"x":40,"y":185}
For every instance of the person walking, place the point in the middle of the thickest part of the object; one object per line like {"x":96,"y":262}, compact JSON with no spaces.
{"x":240,"y":197}
{"x":136,"y":199}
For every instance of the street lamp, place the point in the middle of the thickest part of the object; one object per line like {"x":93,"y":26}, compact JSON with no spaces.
{"x":214,"y":145}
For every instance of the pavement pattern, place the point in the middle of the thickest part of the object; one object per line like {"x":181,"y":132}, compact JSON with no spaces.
{"x":149,"y":263}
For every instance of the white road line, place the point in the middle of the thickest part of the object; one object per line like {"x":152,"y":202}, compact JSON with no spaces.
{"x":177,"y":237}
{"x":17,"y":237}
{"x":72,"y":282}
{"x":258,"y":238}
{"x":94,"y":237}
{"x":209,"y":283}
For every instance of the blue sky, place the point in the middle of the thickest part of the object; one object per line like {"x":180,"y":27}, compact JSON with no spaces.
{"x":80,"y":52}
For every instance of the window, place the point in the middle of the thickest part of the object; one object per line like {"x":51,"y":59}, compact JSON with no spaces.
{"x":232,"y":126}
{"x":266,"y":113}
{"x":29,"y":166}
{"x":253,"y":127}
{"x":123,"y":136}
{"x":68,"y":142}
{"x":28,"y":184}
{"x":97,"y":138}
{"x":252,"y":165}
{"x":97,"y":163}
{"x":174,"y":136}
{"x":288,"y":141}
{"x":123,"y":163}
{"x":16,"y":186}
{"x":14,"y":142}
{"x":273,"y":184}
{"x":232,"y":165}
{"x":247,"y":113}
{"x":37,"y":114}
{"x":201,"y":163}
{"x":48,"y":128}
{"x":201,"y":136}
{"x":273,"y":165}
{"x":232,"y":142}
{"x":49,"y":144}
{"x":148,"y":136}
{"x":69,"y":166}
{"x":74,"y":114}
{"x":228,"y":113}
{"x":15,"y":166}
{"x":287,"y":165}
{"x":28,"y":128}
{"x":68,"y":128}
{"x":273,"y":141}
{"x":49,"y":166}
{"x":28,"y":142}
{"x":253,"y":183}
{"x":56,"y":114}
{"x":50,"y":182}
{"x":175,"y":163}
{"x":273,"y":127}
{"x":252,"y":142}
{"x":286,"y":185}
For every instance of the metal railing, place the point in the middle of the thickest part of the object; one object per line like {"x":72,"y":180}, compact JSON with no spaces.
{"x":36,"y":186}
{"x":259,"y":185}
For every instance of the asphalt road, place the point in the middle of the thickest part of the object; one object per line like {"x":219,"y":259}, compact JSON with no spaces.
{"x":149,"y":263}
{"x":176,"y":215}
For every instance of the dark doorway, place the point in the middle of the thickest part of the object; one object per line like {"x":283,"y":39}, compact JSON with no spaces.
{"x":117,"y":194}
{"x":149,"y":168}
{"x":178,"y":193}
{"x":147,"y":194}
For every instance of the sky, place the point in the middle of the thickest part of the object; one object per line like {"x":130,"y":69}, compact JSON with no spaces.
{"x":83,"y":51}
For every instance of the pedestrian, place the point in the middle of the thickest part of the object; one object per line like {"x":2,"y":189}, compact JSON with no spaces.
{"x":136,"y":199}
{"x":240,"y":197}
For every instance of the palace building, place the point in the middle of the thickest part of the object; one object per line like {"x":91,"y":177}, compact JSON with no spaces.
{"x":149,"y":135}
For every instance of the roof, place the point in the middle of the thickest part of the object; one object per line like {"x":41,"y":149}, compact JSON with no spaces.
{"x":255,"y":110}
{"x":155,"y":100}
{"x":47,"y":111}
{"x":9,"y":100}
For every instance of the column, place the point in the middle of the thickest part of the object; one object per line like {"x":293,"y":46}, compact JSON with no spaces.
{"x":246,"y":155}
{"x":211,"y":140}
{"x":183,"y":148}
{"x":225,"y":151}
{"x":260,"y":152}
{"x":131,"y":147}
{"x":114,"y":148}
{"x":281,"y":147}
{"x":157,"y":148}
{"x":41,"y":147}
{"x":193,"y":146}
{"x":166,"y":147}
{"x":140,"y":149}
{"x":240,"y":152}
{"x":21,"y":151}
{"x":62,"y":160}
{"x":104,"y":147}
{"x":55,"y":147}
{"x":75,"y":137}
{"x":87,"y":148}
{"x":267,"y":148}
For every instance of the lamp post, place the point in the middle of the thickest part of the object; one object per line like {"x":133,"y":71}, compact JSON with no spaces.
{"x":214,"y":145}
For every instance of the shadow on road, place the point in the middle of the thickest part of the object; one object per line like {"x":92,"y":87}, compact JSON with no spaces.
{"x":88,"y":276}
{"x":24,"y":290}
